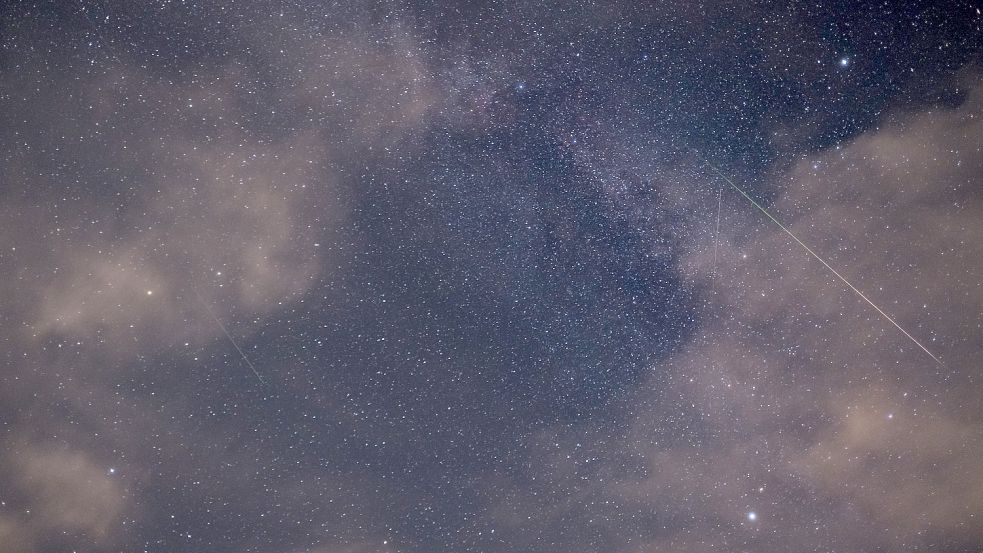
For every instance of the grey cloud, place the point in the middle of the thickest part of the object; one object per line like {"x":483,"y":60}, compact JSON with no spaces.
{"x":916,"y":471}
{"x":797,"y":401}
{"x":59,"y":492}
{"x":804,"y":366}
{"x":157,"y":190}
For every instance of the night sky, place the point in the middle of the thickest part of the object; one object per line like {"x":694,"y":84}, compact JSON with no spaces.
{"x":298,"y":276}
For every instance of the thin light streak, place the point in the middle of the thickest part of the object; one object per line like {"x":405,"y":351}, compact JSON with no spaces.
{"x":228,"y":335}
{"x":825,"y":264}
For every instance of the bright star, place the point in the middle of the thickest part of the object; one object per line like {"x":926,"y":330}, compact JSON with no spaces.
{"x":752,"y":516}
{"x":844,"y":61}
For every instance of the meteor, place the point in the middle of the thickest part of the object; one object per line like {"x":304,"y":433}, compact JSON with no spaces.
{"x":228,"y":335}
{"x":825,"y":264}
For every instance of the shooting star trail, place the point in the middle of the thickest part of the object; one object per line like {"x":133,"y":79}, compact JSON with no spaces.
{"x":825,"y":264}
{"x":228,"y":335}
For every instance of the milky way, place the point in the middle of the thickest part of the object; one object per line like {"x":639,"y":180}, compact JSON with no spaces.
{"x":351,"y":277}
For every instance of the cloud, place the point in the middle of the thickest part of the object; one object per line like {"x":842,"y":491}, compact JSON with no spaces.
{"x":795,"y":400}
{"x":232,"y":181}
{"x":62,"y":495}
{"x":838,"y":403}
{"x":137,"y":201}
{"x":916,"y":472}
{"x":217,"y":210}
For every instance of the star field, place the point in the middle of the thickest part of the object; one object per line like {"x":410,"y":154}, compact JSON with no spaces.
{"x":351,"y":277}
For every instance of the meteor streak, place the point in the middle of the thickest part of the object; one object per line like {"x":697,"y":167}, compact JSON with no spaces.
{"x":228,"y":335}
{"x":825,"y":264}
